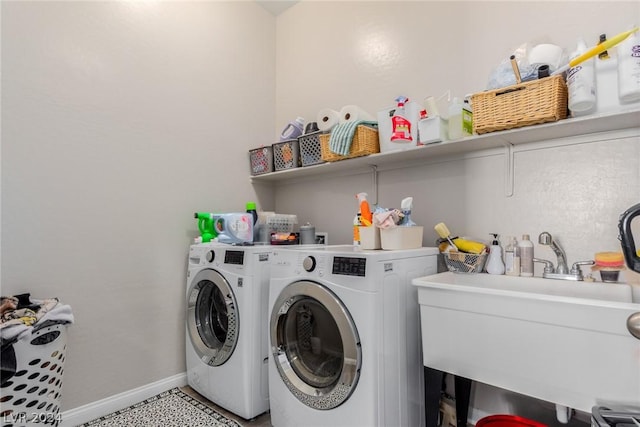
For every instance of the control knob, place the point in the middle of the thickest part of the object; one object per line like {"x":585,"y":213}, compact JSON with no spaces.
{"x":211,"y":255}
{"x":309,"y":264}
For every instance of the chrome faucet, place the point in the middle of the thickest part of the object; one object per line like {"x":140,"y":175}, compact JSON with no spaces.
{"x":545,"y":239}
{"x":562,"y":270}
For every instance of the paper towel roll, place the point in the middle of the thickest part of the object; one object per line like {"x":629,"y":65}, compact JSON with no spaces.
{"x":549,"y":54}
{"x":352,"y":113}
{"x":327,"y":118}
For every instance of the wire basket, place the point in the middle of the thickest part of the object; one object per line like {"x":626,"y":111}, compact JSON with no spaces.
{"x":286,"y":154}
{"x":261,"y":160}
{"x":531,"y":103}
{"x":310,"y":150}
{"x":460,"y":262}
{"x":365,"y":141}
{"x":32,"y":396}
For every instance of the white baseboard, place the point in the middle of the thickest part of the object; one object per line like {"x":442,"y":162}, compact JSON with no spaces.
{"x":91,"y":411}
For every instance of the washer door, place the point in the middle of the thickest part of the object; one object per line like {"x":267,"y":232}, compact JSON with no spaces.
{"x":212,"y":317}
{"x":315,"y":345}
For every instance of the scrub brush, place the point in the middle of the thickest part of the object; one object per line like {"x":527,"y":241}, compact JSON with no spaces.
{"x":463,"y":245}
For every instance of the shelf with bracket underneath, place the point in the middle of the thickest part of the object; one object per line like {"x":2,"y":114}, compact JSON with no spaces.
{"x":604,"y":122}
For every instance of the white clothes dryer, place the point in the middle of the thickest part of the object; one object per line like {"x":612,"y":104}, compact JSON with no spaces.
{"x":345,"y":337}
{"x":227,"y":330}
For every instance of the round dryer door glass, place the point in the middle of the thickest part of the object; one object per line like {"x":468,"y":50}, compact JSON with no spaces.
{"x":316,"y":345}
{"x":212,"y":317}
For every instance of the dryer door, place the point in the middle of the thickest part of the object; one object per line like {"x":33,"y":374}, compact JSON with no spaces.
{"x":212,"y":317}
{"x":315,"y":345}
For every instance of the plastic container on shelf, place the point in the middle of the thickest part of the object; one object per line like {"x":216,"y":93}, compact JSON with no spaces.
{"x":581,"y":84}
{"x":455,"y":119}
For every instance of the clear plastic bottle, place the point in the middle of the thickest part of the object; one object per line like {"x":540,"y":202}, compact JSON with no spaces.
{"x":455,"y":119}
{"x":526,"y":256}
{"x":581,"y":83}
{"x":629,"y":68}
{"x":511,"y":257}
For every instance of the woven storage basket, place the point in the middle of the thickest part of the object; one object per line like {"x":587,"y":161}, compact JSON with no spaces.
{"x":365,"y":142}
{"x":261,"y":160}
{"x":32,"y":397}
{"x":310,"y":150}
{"x":286,"y":154}
{"x":525,"y":104}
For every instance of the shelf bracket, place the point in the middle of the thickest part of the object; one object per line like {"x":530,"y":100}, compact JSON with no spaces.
{"x":509,"y":167}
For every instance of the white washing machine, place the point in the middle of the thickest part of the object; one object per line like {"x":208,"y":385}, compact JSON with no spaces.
{"x":227,"y":341}
{"x":345,"y":337}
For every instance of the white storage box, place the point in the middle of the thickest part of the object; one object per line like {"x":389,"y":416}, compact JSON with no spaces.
{"x":369,"y":237}
{"x":412,"y":113}
{"x":401,"y":237}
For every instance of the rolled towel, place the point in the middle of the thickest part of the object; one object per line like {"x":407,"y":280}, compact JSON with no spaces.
{"x":342,"y":136}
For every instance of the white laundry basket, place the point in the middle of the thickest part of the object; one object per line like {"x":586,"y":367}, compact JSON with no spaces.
{"x":32,"y":396}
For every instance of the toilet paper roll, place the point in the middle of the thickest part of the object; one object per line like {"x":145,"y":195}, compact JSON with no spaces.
{"x":547,"y":54}
{"x":327,"y":118}
{"x":353,"y":113}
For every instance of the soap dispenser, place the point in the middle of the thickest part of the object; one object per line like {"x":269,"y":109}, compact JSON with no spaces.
{"x":495,"y":265}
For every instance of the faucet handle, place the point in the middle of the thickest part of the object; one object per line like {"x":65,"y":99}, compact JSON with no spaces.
{"x":575,"y":267}
{"x":548,"y":265}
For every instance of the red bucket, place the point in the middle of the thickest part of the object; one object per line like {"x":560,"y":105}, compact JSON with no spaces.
{"x":507,"y":421}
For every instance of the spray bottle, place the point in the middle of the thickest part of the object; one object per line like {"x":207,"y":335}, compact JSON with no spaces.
{"x":400,"y":125}
{"x":405,"y":206}
{"x":366,"y":217}
{"x":205,"y":225}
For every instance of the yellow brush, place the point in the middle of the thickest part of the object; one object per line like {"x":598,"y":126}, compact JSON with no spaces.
{"x":462,"y":244}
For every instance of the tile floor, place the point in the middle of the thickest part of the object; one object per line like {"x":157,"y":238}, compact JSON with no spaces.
{"x":263,"y":420}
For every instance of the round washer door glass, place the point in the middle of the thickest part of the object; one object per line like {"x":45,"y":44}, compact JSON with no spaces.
{"x":212,"y":317}
{"x":315,"y":345}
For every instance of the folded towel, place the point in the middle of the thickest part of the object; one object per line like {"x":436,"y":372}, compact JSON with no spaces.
{"x":342,"y":136}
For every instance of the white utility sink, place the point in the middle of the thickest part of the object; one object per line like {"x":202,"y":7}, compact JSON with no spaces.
{"x":562,"y":341}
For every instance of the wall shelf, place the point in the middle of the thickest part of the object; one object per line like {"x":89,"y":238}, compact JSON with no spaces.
{"x":625,"y":119}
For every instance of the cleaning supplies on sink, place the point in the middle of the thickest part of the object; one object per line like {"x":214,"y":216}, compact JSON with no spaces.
{"x":494,"y":262}
{"x":525,"y":247}
{"x":511,"y":257}
{"x":463,"y":245}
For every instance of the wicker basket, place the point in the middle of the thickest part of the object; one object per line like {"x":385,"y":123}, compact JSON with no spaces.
{"x":460,"y":262}
{"x":525,"y":104}
{"x":365,"y":142}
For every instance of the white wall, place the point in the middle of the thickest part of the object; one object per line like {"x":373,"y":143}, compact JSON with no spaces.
{"x":121,"y":119}
{"x":367,"y":53}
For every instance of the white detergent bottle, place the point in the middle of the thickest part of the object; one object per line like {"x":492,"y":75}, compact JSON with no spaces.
{"x":494,"y":263}
{"x":629,"y":69}
{"x":581,"y":84}
{"x":234,"y":227}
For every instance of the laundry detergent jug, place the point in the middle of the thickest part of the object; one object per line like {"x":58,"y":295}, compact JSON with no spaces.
{"x":627,"y":227}
{"x":234,"y":227}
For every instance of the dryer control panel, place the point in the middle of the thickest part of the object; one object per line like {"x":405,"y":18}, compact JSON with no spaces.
{"x":349,"y":266}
